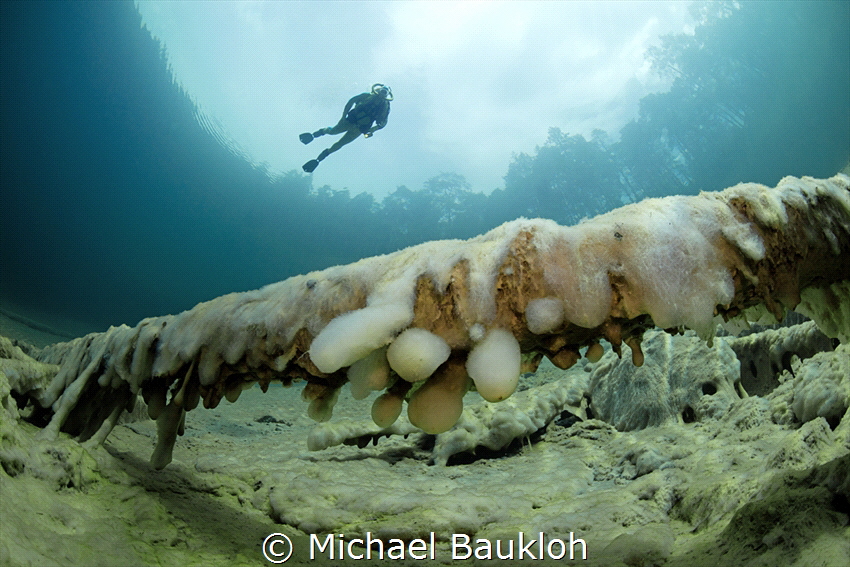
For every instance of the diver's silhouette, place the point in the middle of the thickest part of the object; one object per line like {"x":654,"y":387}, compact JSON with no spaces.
{"x":360,"y":113}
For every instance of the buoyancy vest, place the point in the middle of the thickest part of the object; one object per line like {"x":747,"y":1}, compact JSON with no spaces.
{"x":364,"y":114}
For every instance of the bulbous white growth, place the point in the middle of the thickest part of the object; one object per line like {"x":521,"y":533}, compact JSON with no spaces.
{"x":544,"y":315}
{"x":369,"y":373}
{"x":594,"y":352}
{"x":416,"y":353}
{"x":494,"y":365}
{"x":353,"y":335}
{"x":435,"y":408}
{"x":386,"y":408}
{"x":437,"y":405}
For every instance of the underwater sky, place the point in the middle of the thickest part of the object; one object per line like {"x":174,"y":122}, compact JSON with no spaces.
{"x":474,"y":82}
{"x":121,"y":199}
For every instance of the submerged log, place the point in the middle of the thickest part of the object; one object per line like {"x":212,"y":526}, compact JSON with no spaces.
{"x":463,"y":312}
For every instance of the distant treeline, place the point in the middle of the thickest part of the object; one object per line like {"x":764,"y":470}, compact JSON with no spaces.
{"x":119,"y":201}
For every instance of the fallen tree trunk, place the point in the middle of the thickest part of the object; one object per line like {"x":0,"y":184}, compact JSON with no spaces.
{"x":430,"y":322}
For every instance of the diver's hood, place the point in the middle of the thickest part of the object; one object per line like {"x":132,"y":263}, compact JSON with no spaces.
{"x":378,"y":87}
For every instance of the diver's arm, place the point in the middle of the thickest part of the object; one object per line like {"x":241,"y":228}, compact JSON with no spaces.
{"x":380,"y":122}
{"x":352,"y":101}
{"x":373,"y":129}
{"x":348,"y":106}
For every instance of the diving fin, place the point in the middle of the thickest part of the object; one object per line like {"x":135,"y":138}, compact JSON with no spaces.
{"x":306,"y":138}
{"x":310,"y":165}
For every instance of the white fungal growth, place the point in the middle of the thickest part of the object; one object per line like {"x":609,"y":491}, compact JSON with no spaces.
{"x":544,"y":315}
{"x":494,"y":365}
{"x":353,"y":335}
{"x":477,"y":332}
{"x":417,"y":353}
{"x":369,"y":374}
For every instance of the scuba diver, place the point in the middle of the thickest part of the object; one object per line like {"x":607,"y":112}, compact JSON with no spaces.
{"x":357,"y":118}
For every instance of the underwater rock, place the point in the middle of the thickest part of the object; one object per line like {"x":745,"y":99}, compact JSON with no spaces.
{"x":794,"y":515}
{"x":22,"y":374}
{"x":675,"y":262}
{"x":682,"y":380}
{"x":821,"y":386}
{"x":765,"y":355}
{"x":487,"y":425}
{"x":815,"y":388}
{"x":721,"y":487}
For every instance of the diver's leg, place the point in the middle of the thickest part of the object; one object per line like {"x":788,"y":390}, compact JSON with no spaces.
{"x":351,"y":135}
{"x":341,"y":126}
